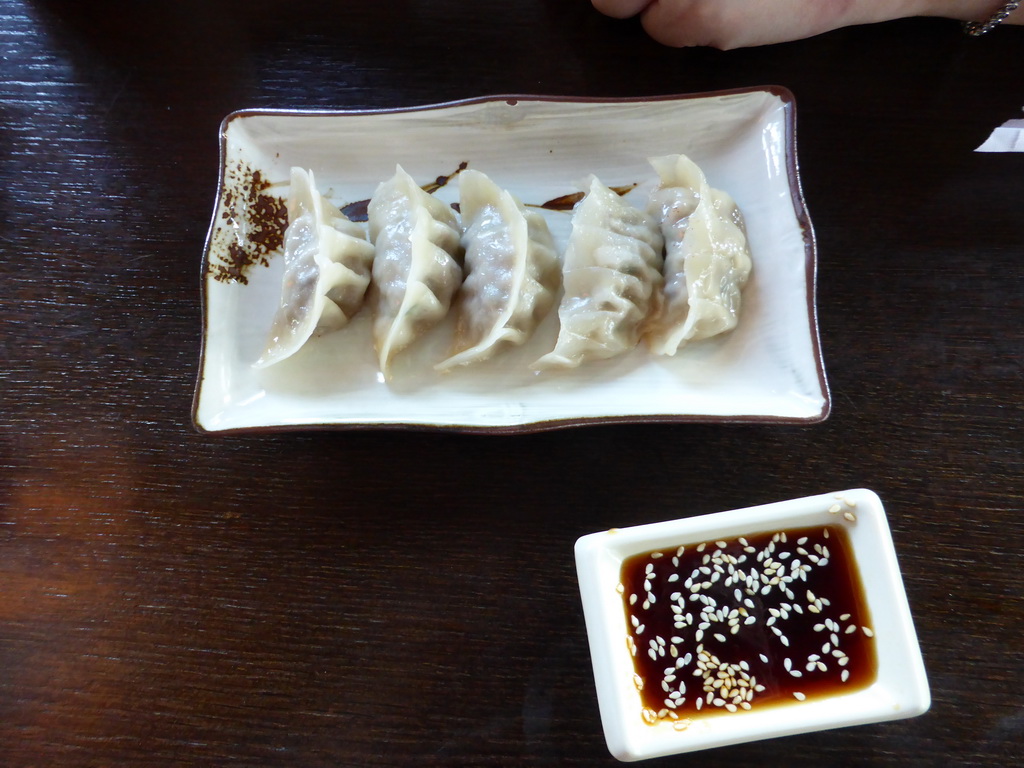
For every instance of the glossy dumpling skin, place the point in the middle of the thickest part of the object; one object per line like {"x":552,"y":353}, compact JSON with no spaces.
{"x":415,"y":272}
{"x":707,"y":258}
{"x":611,"y":270}
{"x":327,"y":262}
{"x":512,"y":271}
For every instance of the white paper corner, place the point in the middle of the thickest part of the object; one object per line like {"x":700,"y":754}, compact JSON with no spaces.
{"x":1008,"y":137}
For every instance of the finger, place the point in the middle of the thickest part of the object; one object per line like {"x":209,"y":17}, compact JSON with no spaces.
{"x":620,"y":9}
{"x":680,"y":23}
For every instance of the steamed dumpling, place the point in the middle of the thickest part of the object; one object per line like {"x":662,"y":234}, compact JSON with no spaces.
{"x":512,"y":271}
{"x":707,"y":260}
{"x":327,"y":262}
{"x":611,"y":272}
{"x":416,"y":237}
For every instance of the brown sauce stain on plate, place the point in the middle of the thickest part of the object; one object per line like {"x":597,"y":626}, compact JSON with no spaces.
{"x":251,"y":226}
{"x":568,"y":202}
{"x":357,"y":211}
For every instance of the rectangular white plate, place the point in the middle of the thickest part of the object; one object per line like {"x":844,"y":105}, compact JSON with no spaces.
{"x":768,"y":369}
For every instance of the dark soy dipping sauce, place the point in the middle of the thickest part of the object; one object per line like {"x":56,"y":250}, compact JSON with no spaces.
{"x":733,"y":646}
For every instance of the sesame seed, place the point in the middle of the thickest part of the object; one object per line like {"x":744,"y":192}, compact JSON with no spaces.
{"x":798,"y":696}
{"x":725,"y":594}
{"x":620,"y":588}
{"x":638,"y":682}
{"x":867,"y":632}
{"x":834,"y":508}
{"x":656,"y":555}
{"x":850,"y":516}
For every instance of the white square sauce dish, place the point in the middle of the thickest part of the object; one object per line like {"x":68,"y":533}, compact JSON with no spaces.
{"x":540,"y":150}
{"x":750,"y":624}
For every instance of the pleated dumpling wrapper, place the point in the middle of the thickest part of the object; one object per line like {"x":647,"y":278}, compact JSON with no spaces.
{"x":327,"y":262}
{"x":707,"y":257}
{"x":611,"y":271}
{"x":512,"y":271}
{"x":415,"y":271}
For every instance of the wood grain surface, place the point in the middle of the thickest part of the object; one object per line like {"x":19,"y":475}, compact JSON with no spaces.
{"x":409,"y":598}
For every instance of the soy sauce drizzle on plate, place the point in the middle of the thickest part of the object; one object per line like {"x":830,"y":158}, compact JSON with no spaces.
{"x":568,"y":202}
{"x":357,"y":211}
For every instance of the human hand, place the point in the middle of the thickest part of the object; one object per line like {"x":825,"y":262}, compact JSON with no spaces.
{"x":742,"y":23}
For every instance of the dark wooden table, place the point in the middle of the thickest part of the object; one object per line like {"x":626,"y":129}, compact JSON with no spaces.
{"x":409,"y":598}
